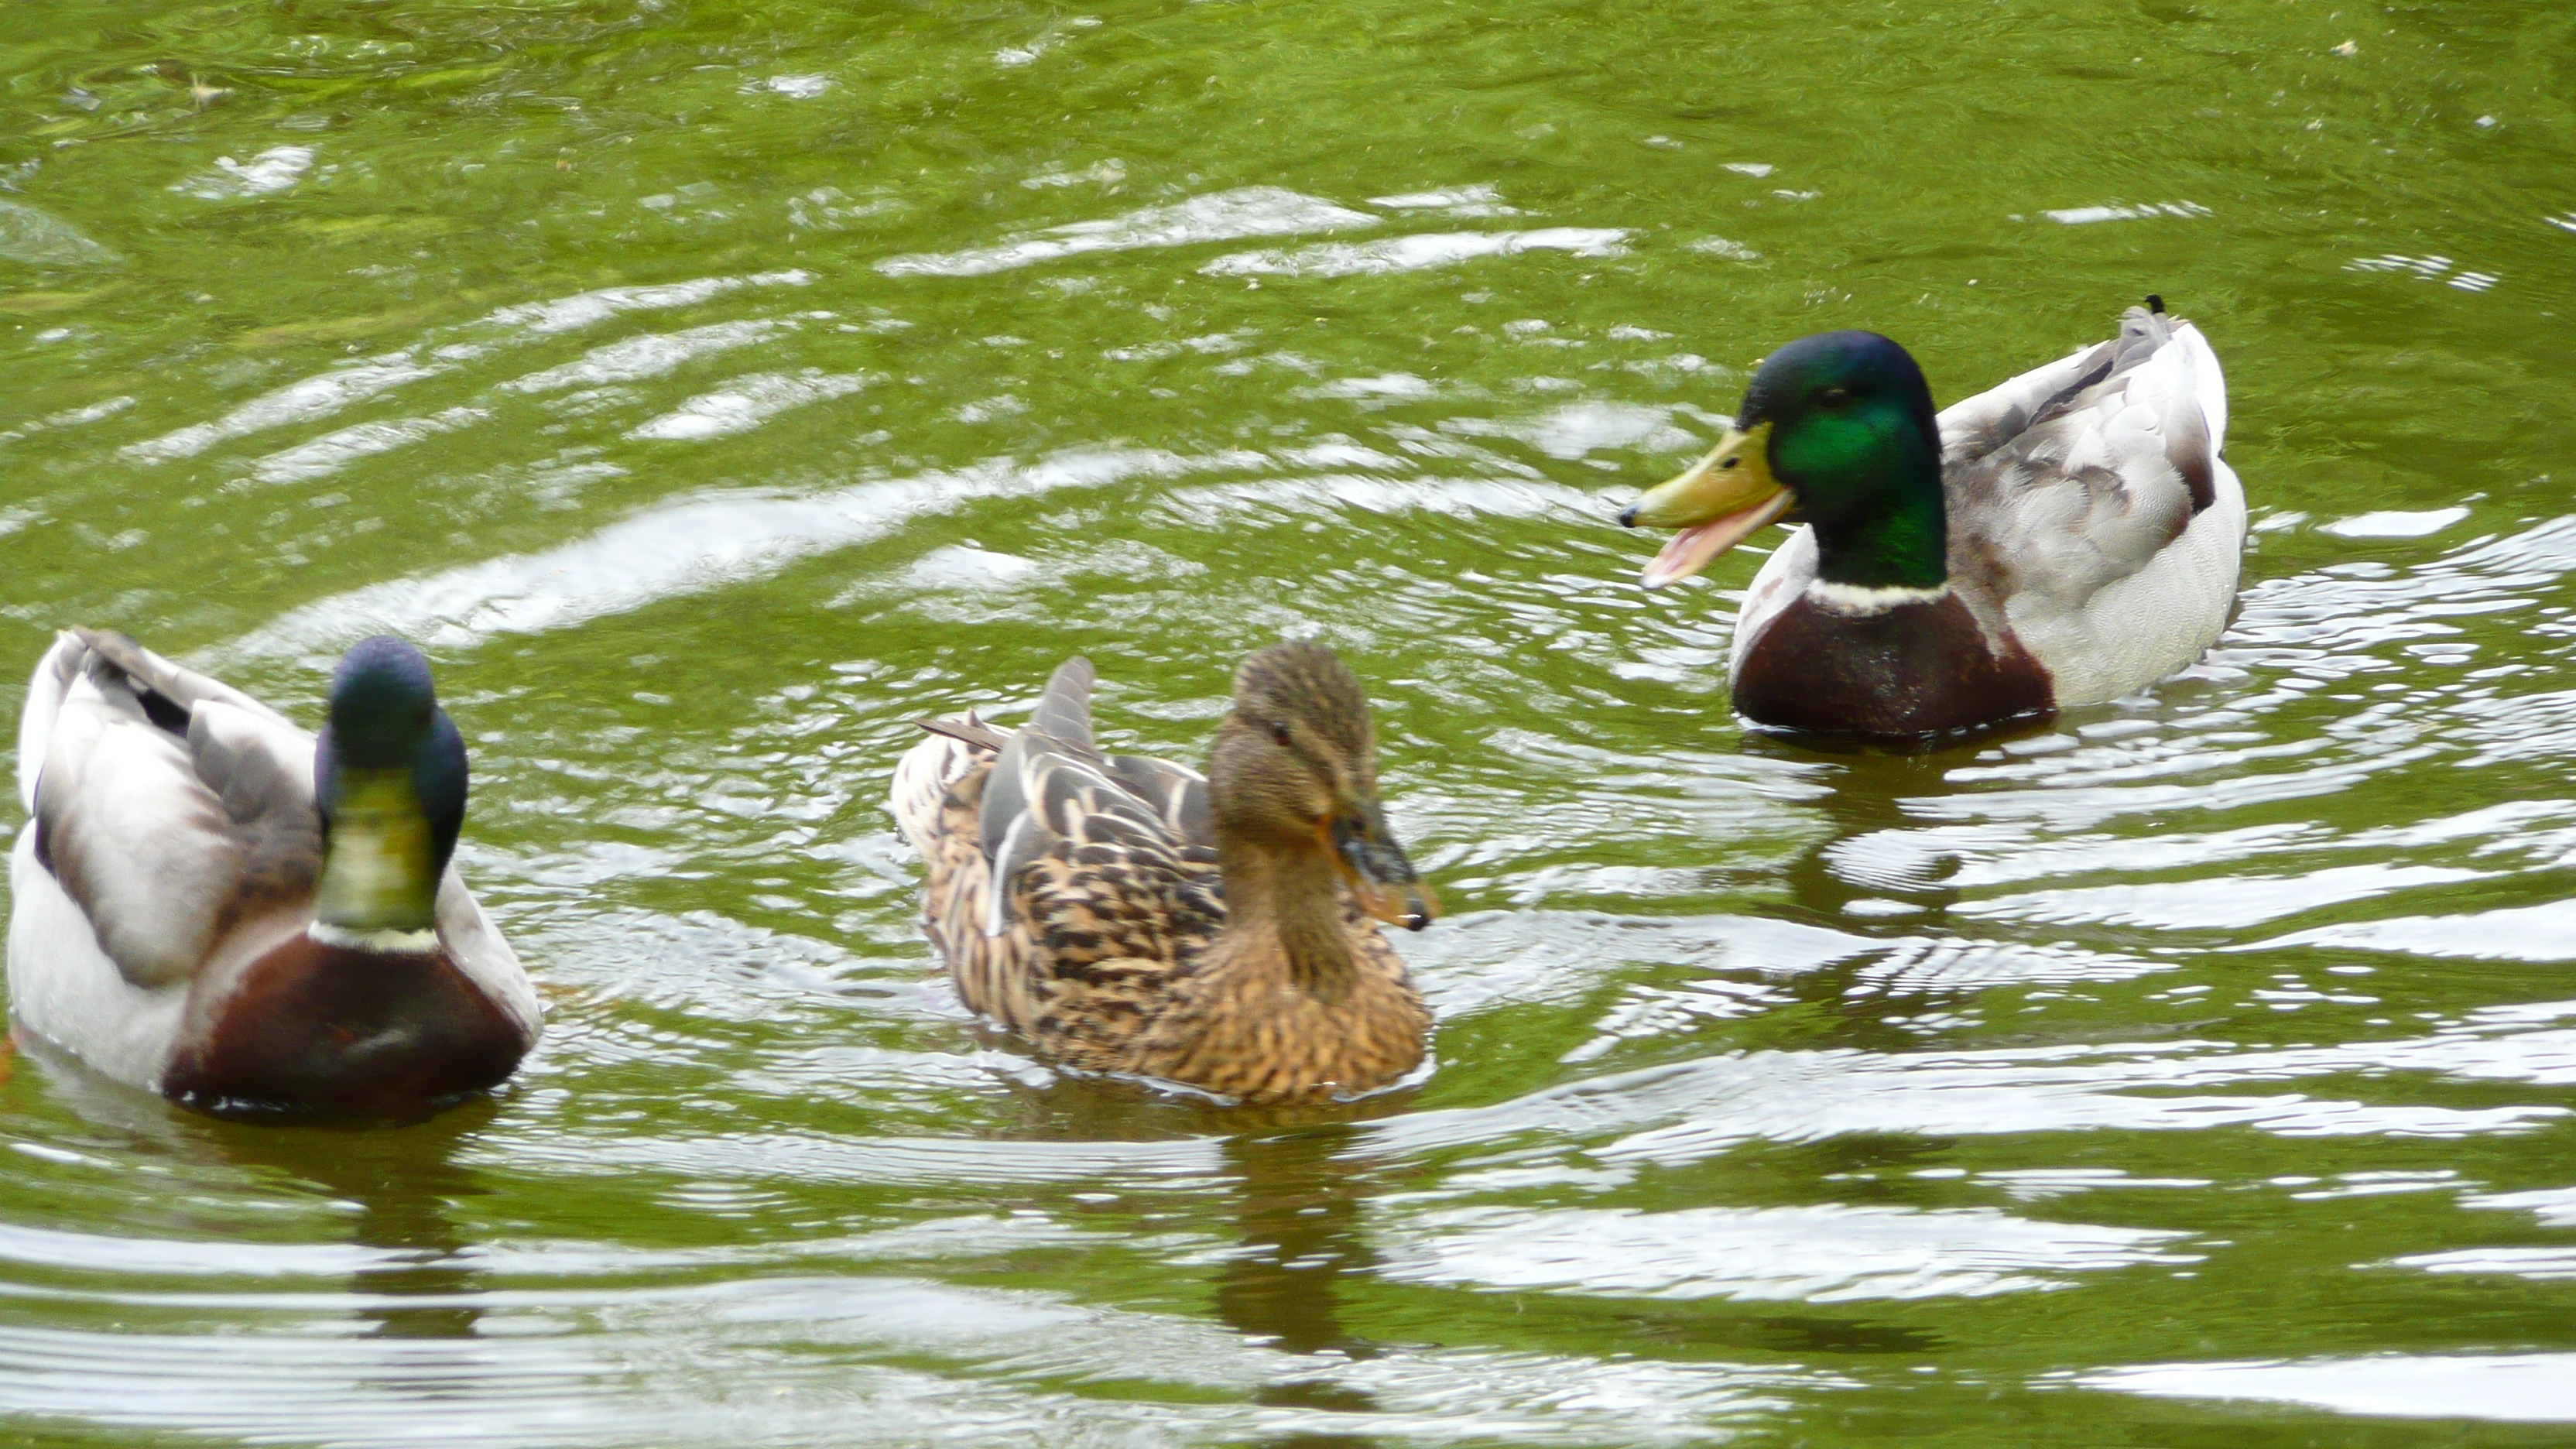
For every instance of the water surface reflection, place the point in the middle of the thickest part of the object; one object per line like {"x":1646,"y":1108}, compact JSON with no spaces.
{"x":717,"y":389}
{"x":404,"y":1185}
{"x":1300,"y":1232}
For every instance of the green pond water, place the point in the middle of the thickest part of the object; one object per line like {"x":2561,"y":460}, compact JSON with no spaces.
{"x":715,"y":388}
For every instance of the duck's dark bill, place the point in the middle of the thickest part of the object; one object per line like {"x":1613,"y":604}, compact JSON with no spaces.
{"x":1693,"y":548}
{"x":1411,"y":906}
{"x":1381,"y":877}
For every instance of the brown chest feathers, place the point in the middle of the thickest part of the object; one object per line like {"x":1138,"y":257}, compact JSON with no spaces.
{"x":311,"y":1026}
{"x":1247,"y":1024}
{"x":1917,"y":668}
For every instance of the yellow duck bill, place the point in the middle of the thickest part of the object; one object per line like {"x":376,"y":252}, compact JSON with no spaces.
{"x":1717,"y":503}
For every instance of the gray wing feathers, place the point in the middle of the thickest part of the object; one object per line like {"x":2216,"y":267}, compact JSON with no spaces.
{"x":1041,"y":798}
{"x":2117,"y":456}
{"x":1973,"y":427}
{"x":185,"y":688}
{"x":263,"y":775}
{"x":141,"y":846}
{"x":2143,"y":334}
{"x":164,"y":841}
{"x":1077,"y":798}
{"x":1177,"y":795}
{"x":1051,"y":791}
{"x":1022,"y":844}
{"x":1051,"y":768}
{"x":1057,"y":737}
{"x":1005,"y":794}
{"x":2107,"y":533}
{"x":257,"y":770}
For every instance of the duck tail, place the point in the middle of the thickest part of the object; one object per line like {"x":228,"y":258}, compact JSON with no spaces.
{"x":1064,"y":710}
{"x":46,"y":690}
{"x":917,"y":797}
{"x":969,"y":729}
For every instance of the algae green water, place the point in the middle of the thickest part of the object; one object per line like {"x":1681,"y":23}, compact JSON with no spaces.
{"x":715,"y":388}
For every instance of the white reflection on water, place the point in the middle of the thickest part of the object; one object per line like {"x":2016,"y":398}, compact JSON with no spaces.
{"x":632,"y":359}
{"x":59,"y":1251}
{"x":1476,"y":200}
{"x":712,"y":540}
{"x":1690,"y":1111}
{"x":274,"y":169}
{"x":318,"y":396}
{"x":1579,"y":430}
{"x":1417,"y":252}
{"x":2555,"y":1207}
{"x":2515,"y":933}
{"x":2536,"y":1264}
{"x":747,"y":402}
{"x":965,"y":1237}
{"x":334,"y":451}
{"x":702,"y":542}
{"x":928,"y":1161}
{"x":2088,"y":215}
{"x":325,"y":393}
{"x":1224,"y":216}
{"x":2519,"y":1388}
{"x":2396,"y":523}
{"x":840,"y":1360}
{"x":1823,"y":1254}
{"x":2213,"y":903}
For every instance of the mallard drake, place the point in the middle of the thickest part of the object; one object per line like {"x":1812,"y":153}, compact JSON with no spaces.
{"x":2066,"y":538}
{"x":1131,"y":916}
{"x":211,"y":904}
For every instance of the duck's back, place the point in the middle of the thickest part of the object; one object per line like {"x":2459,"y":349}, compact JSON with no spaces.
{"x":2094,"y":512}
{"x":1069,"y":891}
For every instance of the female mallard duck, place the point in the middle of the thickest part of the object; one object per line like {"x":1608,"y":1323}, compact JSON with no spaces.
{"x":210,"y":904}
{"x":2063,"y":539}
{"x":1129,"y":915}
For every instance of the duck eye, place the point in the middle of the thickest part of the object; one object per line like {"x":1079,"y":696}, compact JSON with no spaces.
{"x":1279,"y":732}
{"x":1833,"y":397}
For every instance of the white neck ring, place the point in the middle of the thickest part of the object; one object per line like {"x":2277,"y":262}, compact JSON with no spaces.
{"x":383,"y":943}
{"x":1869,"y":599}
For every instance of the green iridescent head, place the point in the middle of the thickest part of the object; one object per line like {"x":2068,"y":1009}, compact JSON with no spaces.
{"x":1841,"y":424}
{"x":390,"y":778}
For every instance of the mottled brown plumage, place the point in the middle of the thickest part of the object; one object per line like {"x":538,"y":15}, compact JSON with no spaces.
{"x":1128,"y":915}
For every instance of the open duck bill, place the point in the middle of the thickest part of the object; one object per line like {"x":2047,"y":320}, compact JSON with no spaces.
{"x":1717,"y":503}
{"x":1366,"y":854}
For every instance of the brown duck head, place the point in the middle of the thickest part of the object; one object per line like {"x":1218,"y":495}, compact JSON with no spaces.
{"x":1293,"y":775}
